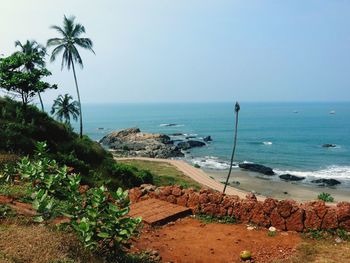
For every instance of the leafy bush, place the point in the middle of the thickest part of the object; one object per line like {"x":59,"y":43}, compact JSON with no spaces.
{"x":325,"y":197}
{"x":102,"y":223}
{"x":130,"y":175}
{"x":99,"y":217}
{"x":49,"y":181}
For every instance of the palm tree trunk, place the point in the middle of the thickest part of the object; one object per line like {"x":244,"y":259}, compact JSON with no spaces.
{"x":80,"y":112}
{"x":233,"y":150}
{"x":41,"y":101}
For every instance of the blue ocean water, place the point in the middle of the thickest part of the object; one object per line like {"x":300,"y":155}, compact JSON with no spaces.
{"x":284,"y":136}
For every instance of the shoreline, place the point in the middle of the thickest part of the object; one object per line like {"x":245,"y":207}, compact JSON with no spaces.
{"x":249,"y":181}
{"x":263,"y":186}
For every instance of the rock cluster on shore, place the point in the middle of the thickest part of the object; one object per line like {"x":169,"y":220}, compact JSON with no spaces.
{"x":259,"y":168}
{"x":133,"y":142}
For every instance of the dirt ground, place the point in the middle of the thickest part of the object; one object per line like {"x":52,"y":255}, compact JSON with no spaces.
{"x":191,"y":240}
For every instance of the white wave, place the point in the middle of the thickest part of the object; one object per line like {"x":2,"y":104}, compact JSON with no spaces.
{"x":334,"y":171}
{"x":267,"y":143}
{"x":211,"y":162}
{"x":191,"y":134}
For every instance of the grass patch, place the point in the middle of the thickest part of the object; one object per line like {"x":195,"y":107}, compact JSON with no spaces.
{"x":47,"y":244}
{"x":18,"y":191}
{"x":320,"y":251}
{"x":320,"y":246}
{"x":164,"y":173}
{"x":325,"y":197}
{"x":216,"y":219}
{"x":327,"y":234}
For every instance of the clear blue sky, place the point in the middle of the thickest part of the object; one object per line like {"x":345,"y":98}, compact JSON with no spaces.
{"x":187,"y":50}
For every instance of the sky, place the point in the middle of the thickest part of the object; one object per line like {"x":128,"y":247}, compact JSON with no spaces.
{"x":195,"y":50}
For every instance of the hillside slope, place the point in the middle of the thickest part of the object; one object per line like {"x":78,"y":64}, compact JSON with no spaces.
{"x":19,"y":133}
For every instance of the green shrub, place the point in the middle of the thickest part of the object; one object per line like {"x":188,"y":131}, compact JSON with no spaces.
{"x":325,"y":197}
{"x":130,"y":175}
{"x":99,"y":217}
{"x":196,"y":165}
{"x":102,"y":224}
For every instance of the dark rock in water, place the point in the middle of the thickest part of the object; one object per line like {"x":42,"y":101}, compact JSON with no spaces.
{"x":329,"y":145}
{"x":326,"y":182}
{"x":207,"y":139}
{"x":100,"y":128}
{"x":257,"y":168}
{"x":290,"y":177}
{"x":169,"y":125}
{"x":184,"y":145}
{"x":133,"y":142}
{"x":196,"y":143}
{"x":190,"y":137}
{"x":190,"y":144}
{"x":177,"y":134}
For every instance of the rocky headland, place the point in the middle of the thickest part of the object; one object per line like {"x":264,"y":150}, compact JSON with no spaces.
{"x":132,"y":142}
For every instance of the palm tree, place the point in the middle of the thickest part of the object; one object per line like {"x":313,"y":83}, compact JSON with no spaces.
{"x":68,"y":43}
{"x":31,"y":47}
{"x":63,"y":108}
{"x":237,"y":108}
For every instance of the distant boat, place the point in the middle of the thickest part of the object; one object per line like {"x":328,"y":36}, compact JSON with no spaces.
{"x":332,"y":112}
{"x":295,"y":111}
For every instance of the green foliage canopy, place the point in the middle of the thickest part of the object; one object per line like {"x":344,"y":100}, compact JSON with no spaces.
{"x":23,"y":83}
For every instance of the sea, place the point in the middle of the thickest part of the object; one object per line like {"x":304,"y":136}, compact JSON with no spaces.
{"x":287,"y":137}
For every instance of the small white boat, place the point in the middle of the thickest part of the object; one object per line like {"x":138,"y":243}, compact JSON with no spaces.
{"x":295,"y":111}
{"x":332,"y":112}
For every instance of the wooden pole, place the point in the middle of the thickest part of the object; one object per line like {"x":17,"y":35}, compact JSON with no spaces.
{"x":237,"y":108}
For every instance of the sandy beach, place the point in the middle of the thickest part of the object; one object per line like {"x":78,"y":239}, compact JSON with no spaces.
{"x":250,"y":181}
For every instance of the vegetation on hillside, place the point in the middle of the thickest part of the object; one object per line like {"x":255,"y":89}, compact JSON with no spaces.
{"x":64,"y":108}
{"x":98,"y":217}
{"x":95,"y":164}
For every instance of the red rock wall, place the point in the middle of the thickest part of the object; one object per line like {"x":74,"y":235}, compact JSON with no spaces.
{"x":284,"y":215}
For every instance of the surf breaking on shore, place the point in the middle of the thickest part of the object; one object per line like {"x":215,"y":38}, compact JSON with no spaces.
{"x":340,"y":173}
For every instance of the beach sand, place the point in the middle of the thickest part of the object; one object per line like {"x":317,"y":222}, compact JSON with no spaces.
{"x":261,"y":185}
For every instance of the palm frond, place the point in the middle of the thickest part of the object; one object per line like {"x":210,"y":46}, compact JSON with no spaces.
{"x":56,"y":51}
{"x":85,"y":43}
{"x":59,"y":30}
{"x":54,"y":42}
{"x":78,"y":30}
{"x":18,"y":44}
{"x":76,"y":56}
{"x":65,"y":58}
{"x":68,"y":25}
